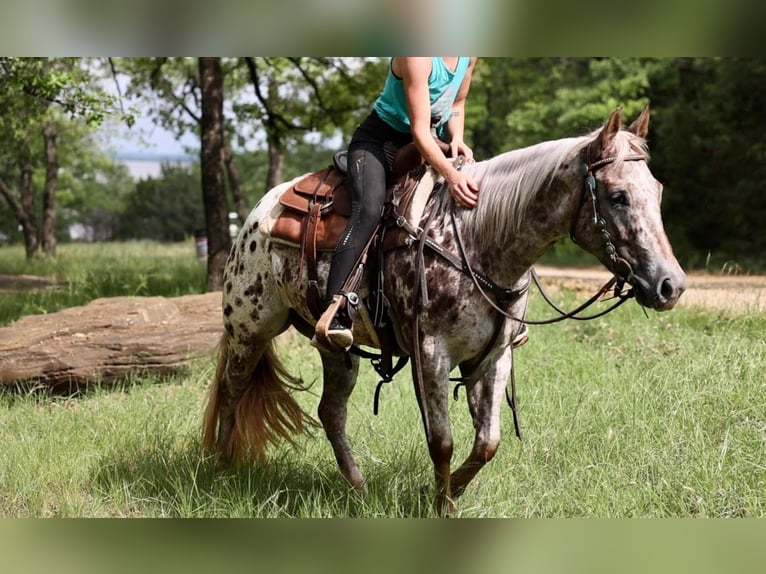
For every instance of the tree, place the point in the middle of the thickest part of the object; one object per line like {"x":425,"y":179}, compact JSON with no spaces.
{"x":190,"y":96}
{"x":93,"y":191}
{"x":287,"y":99}
{"x":710,"y":114}
{"x":298,"y":96}
{"x":211,"y":156}
{"x":518,"y":102}
{"x":166,"y":208}
{"x":38,"y":96}
{"x":707,"y":143}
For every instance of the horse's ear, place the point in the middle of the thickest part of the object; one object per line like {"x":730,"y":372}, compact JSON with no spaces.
{"x":640,"y":125}
{"x":611,"y":127}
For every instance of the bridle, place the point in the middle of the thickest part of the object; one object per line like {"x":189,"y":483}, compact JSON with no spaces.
{"x":587,"y":170}
{"x":504,"y":298}
{"x":618,"y":279}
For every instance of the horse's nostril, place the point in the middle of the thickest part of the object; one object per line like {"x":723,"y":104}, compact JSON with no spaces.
{"x":666,"y":289}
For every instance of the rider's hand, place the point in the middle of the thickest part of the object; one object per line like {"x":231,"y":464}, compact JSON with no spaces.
{"x":463,"y":188}
{"x":458,"y":147}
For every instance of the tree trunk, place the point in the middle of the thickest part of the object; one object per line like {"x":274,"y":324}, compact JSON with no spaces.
{"x":16,"y":207}
{"x":232,"y":173}
{"x":26,"y":217}
{"x":51,"y":182}
{"x":211,"y":153}
{"x":276,"y":157}
{"x":276,"y":161}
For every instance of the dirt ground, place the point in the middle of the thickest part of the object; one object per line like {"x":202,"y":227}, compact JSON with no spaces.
{"x":742,"y":293}
{"x":739,"y":293}
{"x":15,"y":283}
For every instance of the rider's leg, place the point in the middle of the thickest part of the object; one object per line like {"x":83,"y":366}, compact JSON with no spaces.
{"x":367,"y":179}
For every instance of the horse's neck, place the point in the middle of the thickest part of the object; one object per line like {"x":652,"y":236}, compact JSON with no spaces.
{"x":548,"y":216}
{"x":546,"y":219}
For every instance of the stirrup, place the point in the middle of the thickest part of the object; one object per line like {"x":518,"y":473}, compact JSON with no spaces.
{"x":332,"y":336}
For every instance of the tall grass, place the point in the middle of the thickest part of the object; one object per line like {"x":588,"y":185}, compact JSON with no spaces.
{"x":83,"y":272}
{"x":625,"y":416}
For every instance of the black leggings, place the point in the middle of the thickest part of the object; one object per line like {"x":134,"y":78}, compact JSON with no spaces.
{"x":370,"y":157}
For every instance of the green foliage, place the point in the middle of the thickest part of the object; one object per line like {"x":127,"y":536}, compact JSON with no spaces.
{"x":59,"y":97}
{"x":296,"y":96}
{"x":65,"y":82}
{"x":167,"y":88}
{"x":706,"y":135}
{"x":92,"y":193}
{"x":711,"y":159}
{"x":284,"y":97}
{"x":167,"y":208}
{"x":518,"y":102}
{"x":706,"y":140}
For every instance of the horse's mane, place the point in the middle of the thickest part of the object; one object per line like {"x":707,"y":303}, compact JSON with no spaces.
{"x":508,"y":182}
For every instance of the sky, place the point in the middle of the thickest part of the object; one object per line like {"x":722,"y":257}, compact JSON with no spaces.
{"x":146,"y":144}
{"x":143,"y":147}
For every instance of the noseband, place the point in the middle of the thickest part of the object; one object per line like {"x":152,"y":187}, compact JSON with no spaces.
{"x":587,"y":170}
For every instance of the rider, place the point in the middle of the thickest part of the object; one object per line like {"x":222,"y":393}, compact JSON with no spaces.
{"x":419,"y":95}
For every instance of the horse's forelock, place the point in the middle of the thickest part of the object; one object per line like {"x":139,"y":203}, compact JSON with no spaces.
{"x":625,"y":144}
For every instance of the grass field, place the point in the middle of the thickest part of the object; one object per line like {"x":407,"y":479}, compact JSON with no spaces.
{"x":85,"y":272}
{"x":625,"y":416}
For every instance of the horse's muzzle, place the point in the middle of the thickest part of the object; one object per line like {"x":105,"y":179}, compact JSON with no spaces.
{"x":661,"y":294}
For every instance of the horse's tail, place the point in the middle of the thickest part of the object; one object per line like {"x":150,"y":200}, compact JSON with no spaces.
{"x":265,"y":413}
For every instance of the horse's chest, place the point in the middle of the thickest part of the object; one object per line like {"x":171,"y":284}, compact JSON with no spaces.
{"x":447,"y":306}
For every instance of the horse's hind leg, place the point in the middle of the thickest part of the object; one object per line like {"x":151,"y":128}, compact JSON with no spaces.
{"x":485,"y":399}
{"x":339,"y":382}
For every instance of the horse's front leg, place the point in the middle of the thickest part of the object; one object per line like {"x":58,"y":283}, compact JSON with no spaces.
{"x":338,"y":382}
{"x":433,"y":402}
{"x":485,"y":399}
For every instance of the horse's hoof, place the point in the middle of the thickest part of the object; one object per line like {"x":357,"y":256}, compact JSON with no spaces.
{"x":360,"y":488}
{"x":444,"y":505}
{"x":221,"y":462}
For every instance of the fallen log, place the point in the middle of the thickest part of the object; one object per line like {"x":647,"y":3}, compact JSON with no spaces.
{"x":105,"y":340}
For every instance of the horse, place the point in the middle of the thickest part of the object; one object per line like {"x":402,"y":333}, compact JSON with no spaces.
{"x":597,"y":188}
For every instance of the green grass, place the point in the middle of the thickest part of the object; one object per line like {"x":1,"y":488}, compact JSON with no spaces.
{"x":625,"y":416}
{"x":84,"y":272}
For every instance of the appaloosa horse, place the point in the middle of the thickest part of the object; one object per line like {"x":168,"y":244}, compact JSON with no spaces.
{"x":597,"y":188}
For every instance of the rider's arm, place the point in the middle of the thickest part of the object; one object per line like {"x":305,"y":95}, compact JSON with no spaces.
{"x":414,"y":73}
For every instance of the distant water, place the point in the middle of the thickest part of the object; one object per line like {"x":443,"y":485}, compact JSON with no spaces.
{"x":153,"y":156}
{"x":144,"y":165}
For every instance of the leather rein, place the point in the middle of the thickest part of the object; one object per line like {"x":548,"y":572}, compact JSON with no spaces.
{"x":505,"y":297}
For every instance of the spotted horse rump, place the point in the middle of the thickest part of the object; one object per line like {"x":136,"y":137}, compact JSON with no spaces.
{"x":597,"y":188}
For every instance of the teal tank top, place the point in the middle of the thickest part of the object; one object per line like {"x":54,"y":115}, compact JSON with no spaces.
{"x":443,"y":85}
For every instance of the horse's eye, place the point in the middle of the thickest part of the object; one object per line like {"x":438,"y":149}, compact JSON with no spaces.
{"x":618,"y":197}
